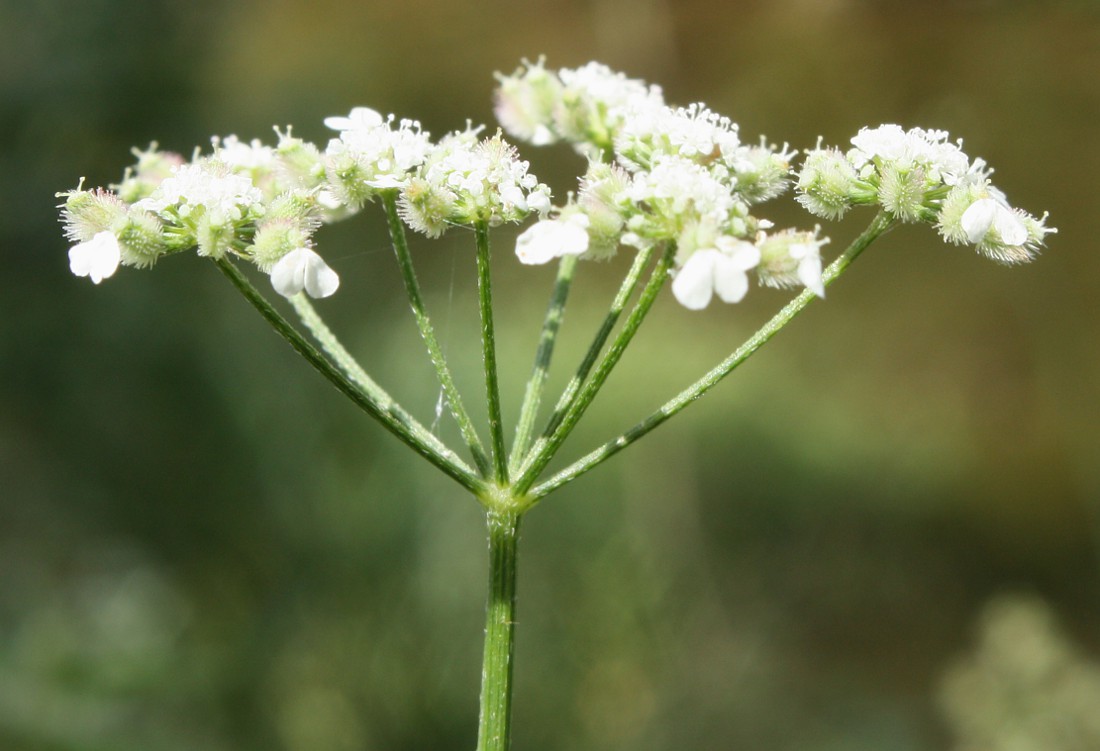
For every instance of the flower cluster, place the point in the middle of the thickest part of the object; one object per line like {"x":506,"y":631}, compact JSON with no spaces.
{"x":585,"y":106}
{"x":241,"y":199}
{"x":264,"y":203}
{"x":466,"y":181}
{"x":658,"y":175}
{"x":919,"y":175}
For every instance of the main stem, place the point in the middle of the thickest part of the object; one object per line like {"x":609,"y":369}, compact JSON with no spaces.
{"x":489,"y":352}
{"x":494,"y":726}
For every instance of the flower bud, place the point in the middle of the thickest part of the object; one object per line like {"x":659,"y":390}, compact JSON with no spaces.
{"x":825,"y":183}
{"x":274,"y":239}
{"x":213,"y":235}
{"x":425,"y":207}
{"x":978,"y":214}
{"x":141,"y":239}
{"x":152,"y":168}
{"x":761,"y":172}
{"x":526,"y":101}
{"x":600,"y":198}
{"x":791,"y":257}
{"x":86,"y":213}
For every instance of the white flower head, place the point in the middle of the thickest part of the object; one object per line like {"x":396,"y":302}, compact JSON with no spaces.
{"x":553,"y":238}
{"x":976,"y":213}
{"x":694,"y":133}
{"x":302,"y":269}
{"x":526,"y":102}
{"x":792,"y":257}
{"x":825,"y":183}
{"x":595,"y":103}
{"x":224,"y":196}
{"x":466,"y":181}
{"x":987,"y":214}
{"x":244,"y":157}
{"x":371,"y":154}
{"x":97,"y":258}
{"x":676,"y":186}
{"x":944,"y":161}
{"x":721,"y":269}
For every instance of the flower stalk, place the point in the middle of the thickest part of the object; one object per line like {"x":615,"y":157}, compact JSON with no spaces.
{"x":494,"y":725}
{"x":879,"y":225}
{"x":427,"y":333}
{"x":489,"y":353}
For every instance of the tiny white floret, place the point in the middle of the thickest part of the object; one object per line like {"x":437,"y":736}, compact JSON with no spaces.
{"x":553,"y":238}
{"x":303,"y":269}
{"x":808,"y":255}
{"x":989,"y":213}
{"x":97,"y":258}
{"x":360,"y":118}
{"x":720,"y":270}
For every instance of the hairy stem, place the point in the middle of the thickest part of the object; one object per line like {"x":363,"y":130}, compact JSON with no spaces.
{"x":494,"y":726}
{"x":544,"y":450}
{"x":427,"y":333}
{"x":373,"y":400}
{"x":880,"y":224}
{"x":536,"y":384}
{"x":489,"y":351}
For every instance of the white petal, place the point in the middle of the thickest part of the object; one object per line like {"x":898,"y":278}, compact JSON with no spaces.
{"x":744,"y":254}
{"x":1009,"y":227}
{"x":978,"y":218}
{"x":539,"y":200}
{"x":552,"y":238}
{"x":320,"y":279}
{"x":809,"y":273}
{"x":301,"y":269}
{"x":730,"y":280}
{"x":360,"y":117}
{"x":694,"y":283}
{"x":97,"y":258}
{"x":288,"y":276}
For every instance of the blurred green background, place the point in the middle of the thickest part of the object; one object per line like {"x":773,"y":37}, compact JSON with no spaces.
{"x":881,"y":534}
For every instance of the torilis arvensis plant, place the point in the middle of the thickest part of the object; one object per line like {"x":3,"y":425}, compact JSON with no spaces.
{"x":675,"y":188}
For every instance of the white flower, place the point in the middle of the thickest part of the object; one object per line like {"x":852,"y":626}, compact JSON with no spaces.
{"x":989,"y":213}
{"x":553,"y":238}
{"x":241,"y":156}
{"x":372,"y":154}
{"x":483,"y":181}
{"x":808,"y":255}
{"x":303,"y":269}
{"x":792,"y":257}
{"x":225,"y":196}
{"x":360,"y":118}
{"x":676,"y":186}
{"x":695,"y":133}
{"x":526,"y":101}
{"x":97,"y":258}
{"x":929,"y":148}
{"x":720,"y":269}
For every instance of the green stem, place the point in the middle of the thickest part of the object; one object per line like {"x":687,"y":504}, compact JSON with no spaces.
{"x":334,"y":349}
{"x":880,"y":224}
{"x":536,"y":384}
{"x":494,"y":726}
{"x":565,"y":401}
{"x":547,"y":446}
{"x":374,"y":401}
{"x":427,"y":333}
{"x":489,"y":350}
